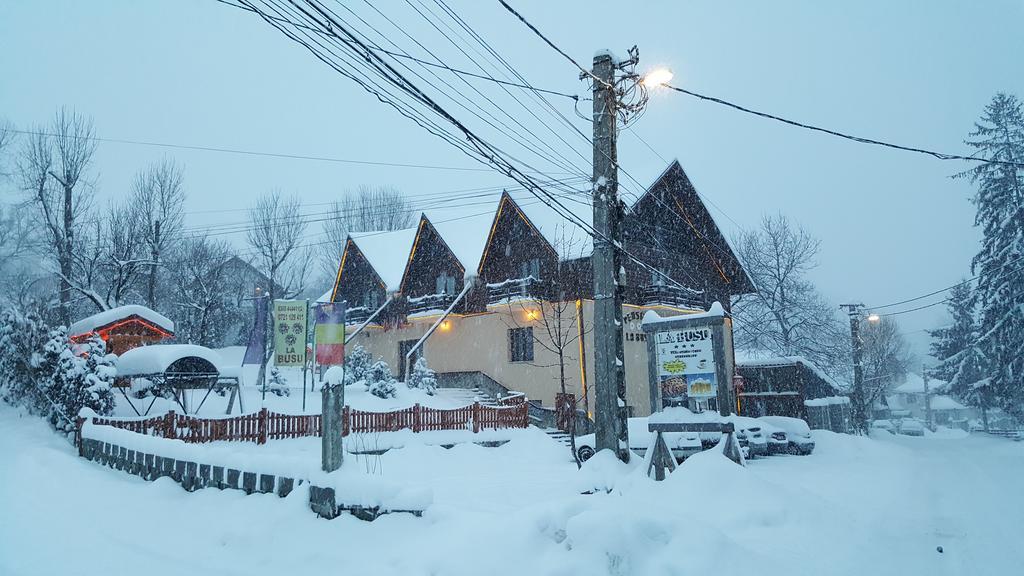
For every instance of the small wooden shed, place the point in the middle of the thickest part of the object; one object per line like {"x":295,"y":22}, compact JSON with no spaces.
{"x":779,"y":386}
{"x":124,"y":328}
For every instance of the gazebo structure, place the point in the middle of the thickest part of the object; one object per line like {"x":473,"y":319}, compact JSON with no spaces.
{"x":171,"y":370}
{"x":124,"y":328}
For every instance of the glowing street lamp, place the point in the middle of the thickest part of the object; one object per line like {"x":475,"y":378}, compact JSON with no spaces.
{"x":657,"y":77}
{"x":874,"y":318}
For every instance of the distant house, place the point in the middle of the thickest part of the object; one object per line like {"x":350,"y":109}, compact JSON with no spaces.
{"x":123,"y":328}
{"x":908,"y":401}
{"x":780,"y":385}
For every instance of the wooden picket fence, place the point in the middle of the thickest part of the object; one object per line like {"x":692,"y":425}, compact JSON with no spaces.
{"x":264,"y":425}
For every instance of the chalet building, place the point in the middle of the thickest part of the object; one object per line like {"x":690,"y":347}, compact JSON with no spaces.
{"x":505,"y":299}
{"x":123,"y":328}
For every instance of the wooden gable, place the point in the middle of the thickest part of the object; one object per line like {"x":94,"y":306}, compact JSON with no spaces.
{"x":430,"y":257}
{"x":126,"y":333}
{"x":357,"y":281}
{"x":512,"y":241}
{"x":671,"y":229}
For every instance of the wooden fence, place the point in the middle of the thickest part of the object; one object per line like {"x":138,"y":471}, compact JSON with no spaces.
{"x":263,"y":425}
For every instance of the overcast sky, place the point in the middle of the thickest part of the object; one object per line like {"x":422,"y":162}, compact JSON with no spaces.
{"x":893,"y":225}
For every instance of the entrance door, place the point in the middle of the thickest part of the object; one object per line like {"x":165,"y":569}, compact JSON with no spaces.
{"x":403,"y":348}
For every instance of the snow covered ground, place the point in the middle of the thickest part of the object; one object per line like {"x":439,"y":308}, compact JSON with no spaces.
{"x":857,"y":505}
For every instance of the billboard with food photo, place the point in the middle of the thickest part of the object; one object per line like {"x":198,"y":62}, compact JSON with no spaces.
{"x":686,"y":364}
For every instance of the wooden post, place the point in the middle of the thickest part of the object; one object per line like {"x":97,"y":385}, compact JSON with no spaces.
{"x":346,"y":421}
{"x":262,"y":430}
{"x":79,"y":421}
{"x":476,"y":417}
{"x":417,"y":426}
{"x":170,"y":425}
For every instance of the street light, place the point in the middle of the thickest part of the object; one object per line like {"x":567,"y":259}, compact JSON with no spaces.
{"x":874,"y":318}
{"x":657,"y":77}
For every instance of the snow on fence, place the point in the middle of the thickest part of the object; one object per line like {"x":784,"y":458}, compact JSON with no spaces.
{"x":260,"y":426}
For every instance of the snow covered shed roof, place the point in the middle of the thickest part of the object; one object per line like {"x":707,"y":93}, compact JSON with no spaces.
{"x":156,"y":359}
{"x":107,"y":318}
{"x":387,"y":253}
{"x":753,"y":359}
{"x":914,"y":384}
{"x":946,"y":403}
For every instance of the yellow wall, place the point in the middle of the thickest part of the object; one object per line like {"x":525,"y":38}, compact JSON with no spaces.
{"x":480,"y":343}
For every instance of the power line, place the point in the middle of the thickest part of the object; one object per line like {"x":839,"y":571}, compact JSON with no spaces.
{"x":440,"y":65}
{"x":958,"y":284}
{"x":939,"y":155}
{"x":254,"y":153}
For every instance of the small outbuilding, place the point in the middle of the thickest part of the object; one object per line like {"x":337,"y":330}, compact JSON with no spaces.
{"x":172,"y":370}
{"x":124,"y":328}
{"x":779,"y":385}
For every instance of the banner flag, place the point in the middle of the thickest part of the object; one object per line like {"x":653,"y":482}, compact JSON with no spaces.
{"x":290,"y":332}
{"x":257,"y":345}
{"x":329,"y":334}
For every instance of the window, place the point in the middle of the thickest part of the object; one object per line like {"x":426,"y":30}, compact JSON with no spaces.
{"x":530,"y":268}
{"x":403,"y":348}
{"x":445,"y":284}
{"x":520,"y":342}
{"x":371,"y":300}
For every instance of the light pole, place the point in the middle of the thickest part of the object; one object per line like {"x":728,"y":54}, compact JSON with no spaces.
{"x":855,"y":312}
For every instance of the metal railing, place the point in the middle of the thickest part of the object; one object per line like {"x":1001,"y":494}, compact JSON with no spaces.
{"x":429,"y":302}
{"x":528,"y":287}
{"x":669,"y":295}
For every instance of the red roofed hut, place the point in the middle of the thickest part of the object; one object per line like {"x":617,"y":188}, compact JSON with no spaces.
{"x":124,"y":328}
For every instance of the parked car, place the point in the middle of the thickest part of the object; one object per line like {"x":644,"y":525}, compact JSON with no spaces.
{"x":798,"y":433}
{"x":750,"y":432}
{"x":778,"y":438}
{"x":911,"y":427}
{"x":886,"y":425}
{"x":681,"y":444}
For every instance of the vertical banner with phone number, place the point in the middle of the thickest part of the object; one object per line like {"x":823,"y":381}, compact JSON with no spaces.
{"x":686,"y":364}
{"x":290,"y":332}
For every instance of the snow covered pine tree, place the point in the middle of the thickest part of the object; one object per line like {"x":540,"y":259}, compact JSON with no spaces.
{"x":21,"y":337}
{"x":357,"y":364}
{"x":999,"y":136}
{"x":379,"y":380}
{"x":422,"y":377}
{"x":82,"y":377}
{"x":955,"y":347}
{"x":278,"y":384}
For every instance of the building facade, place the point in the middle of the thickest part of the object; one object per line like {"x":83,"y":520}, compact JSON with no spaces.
{"x":508,"y":295}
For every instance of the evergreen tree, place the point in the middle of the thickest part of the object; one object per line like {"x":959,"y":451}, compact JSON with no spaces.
{"x":277,"y":384}
{"x":82,"y":377}
{"x":960,"y":361}
{"x":379,"y":380}
{"x":999,"y":136}
{"x":357,"y":364}
{"x":422,"y":377}
{"x":21,"y":337}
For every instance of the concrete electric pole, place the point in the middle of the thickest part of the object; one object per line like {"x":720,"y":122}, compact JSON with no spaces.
{"x":609,"y":367}
{"x":927,"y":399}
{"x":857,"y":397}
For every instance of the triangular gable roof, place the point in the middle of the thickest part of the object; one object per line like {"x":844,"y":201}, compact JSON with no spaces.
{"x":700,"y":221}
{"x":566,"y":239}
{"x":914,"y":384}
{"x":110,"y":317}
{"x":387,"y":253}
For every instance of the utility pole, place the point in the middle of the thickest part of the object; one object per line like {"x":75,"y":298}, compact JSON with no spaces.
{"x":927,"y":399}
{"x":609,"y":368}
{"x":155,"y":256}
{"x":857,"y":397}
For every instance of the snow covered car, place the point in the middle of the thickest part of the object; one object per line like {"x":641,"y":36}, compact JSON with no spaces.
{"x":886,"y":425}
{"x":682,"y":444}
{"x":778,"y":438}
{"x":798,"y":433}
{"x":750,"y":433}
{"x":911,"y":427}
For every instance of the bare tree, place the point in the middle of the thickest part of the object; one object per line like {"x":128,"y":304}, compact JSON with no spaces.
{"x":203,"y":290}
{"x":886,"y":358}
{"x":275,"y":235}
{"x":559,"y":318}
{"x":6,"y":139}
{"x":111,"y":259}
{"x":787,"y":315}
{"x":53,"y":164}
{"x":157,"y":201}
{"x":366,"y":209}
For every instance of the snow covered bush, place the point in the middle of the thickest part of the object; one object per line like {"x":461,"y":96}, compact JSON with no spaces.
{"x":422,"y":377}
{"x":277,"y":384}
{"x":22,"y":335}
{"x":379,"y":380}
{"x":82,"y":376}
{"x":357,"y":364}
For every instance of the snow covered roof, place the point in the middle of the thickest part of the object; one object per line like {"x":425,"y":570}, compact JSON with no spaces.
{"x":466,"y":236}
{"x":325,"y":298}
{"x":108,"y":317}
{"x":387,"y":253}
{"x":762,"y":359}
{"x":946,"y":403}
{"x":155,"y":359}
{"x":914,"y":384}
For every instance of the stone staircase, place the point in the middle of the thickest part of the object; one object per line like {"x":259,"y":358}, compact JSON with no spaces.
{"x":467,"y":396}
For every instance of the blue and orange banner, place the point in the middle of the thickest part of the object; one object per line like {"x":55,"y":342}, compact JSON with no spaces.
{"x":329,"y":334}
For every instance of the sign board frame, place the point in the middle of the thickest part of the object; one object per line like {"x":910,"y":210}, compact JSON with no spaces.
{"x":693,"y":329}
{"x":291,"y":332}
